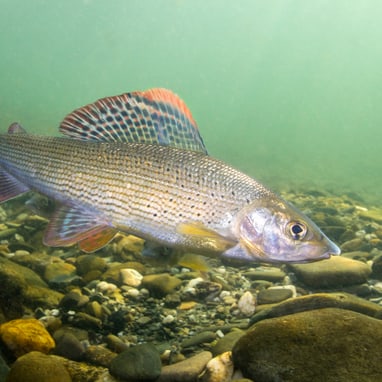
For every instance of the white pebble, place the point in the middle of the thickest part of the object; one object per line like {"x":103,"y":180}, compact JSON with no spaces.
{"x":104,"y":286}
{"x":133,"y":292}
{"x":218,"y":369}
{"x":219,"y":333}
{"x":194,"y":282}
{"x":168,"y":319}
{"x":131,"y":277}
{"x":247,"y":304}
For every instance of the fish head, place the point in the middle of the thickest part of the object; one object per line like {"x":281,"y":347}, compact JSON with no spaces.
{"x":272,"y":230}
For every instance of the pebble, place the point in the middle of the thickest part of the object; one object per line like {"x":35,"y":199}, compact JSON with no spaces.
{"x":218,"y":369}
{"x":227,"y":342}
{"x":4,"y":369}
{"x":88,"y":263}
{"x":352,"y":245}
{"x":376,"y":266}
{"x":334,"y":272}
{"x":99,"y":355}
{"x":141,"y":362}
{"x":372,"y":214}
{"x":160,"y":285}
{"x":199,"y":338}
{"x":104,"y":286}
{"x":274,"y":294}
{"x":265,"y":273}
{"x":68,"y":346}
{"x":247,"y":304}
{"x":73,"y":300}
{"x":60,"y":274}
{"x":112,"y":274}
{"x":187,"y":370}
{"x":131,"y":277}
{"x":21,"y":336}
{"x":115,"y":343}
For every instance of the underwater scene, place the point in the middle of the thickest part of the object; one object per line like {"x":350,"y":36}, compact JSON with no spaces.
{"x":190,"y":191}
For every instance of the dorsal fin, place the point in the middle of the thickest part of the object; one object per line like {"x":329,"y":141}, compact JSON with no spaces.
{"x":16,"y":128}
{"x":154,"y":116}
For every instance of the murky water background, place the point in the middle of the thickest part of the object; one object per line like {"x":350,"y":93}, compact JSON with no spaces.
{"x":288,"y":91}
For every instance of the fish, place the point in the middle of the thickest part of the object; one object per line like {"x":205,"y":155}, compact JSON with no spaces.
{"x":136,"y":164}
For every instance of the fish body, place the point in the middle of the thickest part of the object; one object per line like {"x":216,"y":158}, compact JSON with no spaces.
{"x":149,"y":175}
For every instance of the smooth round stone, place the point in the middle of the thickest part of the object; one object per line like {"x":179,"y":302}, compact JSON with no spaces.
{"x":36,"y":366}
{"x":199,"y":338}
{"x":87,"y":263}
{"x":161,"y":284}
{"x":266,"y":273}
{"x":305,"y":347}
{"x":187,"y":370}
{"x":141,"y":362}
{"x":227,"y":342}
{"x":352,"y":245}
{"x":334,"y":272}
{"x":99,"y":355}
{"x":70,"y":347}
{"x":60,"y":274}
{"x":357,"y":255}
{"x":273,"y":295}
{"x":372,"y":214}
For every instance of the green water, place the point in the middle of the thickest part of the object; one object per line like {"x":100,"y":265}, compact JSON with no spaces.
{"x":288,"y":91}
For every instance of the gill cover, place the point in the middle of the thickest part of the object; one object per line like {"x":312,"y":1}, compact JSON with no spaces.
{"x":274,"y":231}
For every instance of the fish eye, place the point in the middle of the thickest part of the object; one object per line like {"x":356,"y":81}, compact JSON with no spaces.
{"x":297,"y":230}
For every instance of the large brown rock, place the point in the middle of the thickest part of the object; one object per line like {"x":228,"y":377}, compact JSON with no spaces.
{"x":24,"y":289}
{"x":24,"y":335}
{"x":331,"y":345}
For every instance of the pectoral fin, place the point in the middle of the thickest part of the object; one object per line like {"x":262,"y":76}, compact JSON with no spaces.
{"x":100,"y":236}
{"x":240,"y":252}
{"x":199,"y":236}
{"x":72,"y":224}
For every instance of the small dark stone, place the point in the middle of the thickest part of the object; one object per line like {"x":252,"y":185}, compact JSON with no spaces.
{"x":73,"y":300}
{"x":70,"y":347}
{"x":376,"y":268}
{"x":4,"y":369}
{"x":99,"y":355}
{"x":199,"y":338}
{"x":139,"y":363}
{"x":172,"y":300}
{"x":87,"y":263}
